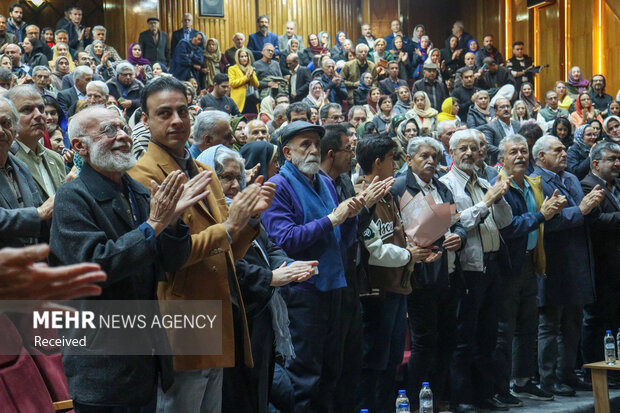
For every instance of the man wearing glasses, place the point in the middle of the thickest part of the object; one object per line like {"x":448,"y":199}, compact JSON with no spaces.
{"x":268,"y":71}
{"x":497,"y":130}
{"x":331,"y":113}
{"x":125,"y":88}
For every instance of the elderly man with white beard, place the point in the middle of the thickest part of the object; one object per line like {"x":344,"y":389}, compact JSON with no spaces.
{"x":105,"y":217}
{"x":483,"y":213}
{"x":306,"y":221}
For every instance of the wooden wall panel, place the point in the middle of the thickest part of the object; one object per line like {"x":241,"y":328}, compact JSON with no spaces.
{"x":549,"y":37}
{"x":437,"y":16}
{"x":580,"y":40}
{"x":520,"y":28}
{"x":311,"y":16}
{"x":611,"y":45}
{"x":381,"y":17}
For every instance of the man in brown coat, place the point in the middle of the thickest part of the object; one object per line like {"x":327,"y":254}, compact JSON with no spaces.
{"x":220,"y":235}
{"x":352,"y":71}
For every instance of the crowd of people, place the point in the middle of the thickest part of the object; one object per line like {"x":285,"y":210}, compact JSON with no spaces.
{"x":271,"y":176}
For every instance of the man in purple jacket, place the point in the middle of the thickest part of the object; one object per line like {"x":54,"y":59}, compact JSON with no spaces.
{"x":306,"y":220}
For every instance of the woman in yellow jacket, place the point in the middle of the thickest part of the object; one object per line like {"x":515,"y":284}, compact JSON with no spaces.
{"x":243,"y":81}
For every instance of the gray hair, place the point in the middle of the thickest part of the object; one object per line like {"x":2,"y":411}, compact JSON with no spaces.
{"x":6,"y":76}
{"x":326,"y":108}
{"x":223,"y":155}
{"x":237,"y":35}
{"x":13,"y":115}
{"x":267,"y":44}
{"x":542,"y":145}
{"x":443,"y":125}
{"x":40,"y":69}
{"x":326,"y":61}
{"x":602,"y":148}
{"x":246,"y":128}
{"x":100,"y":29}
{"x":77,"y":124}
{"x":124,"y":65}
{"x":291,"y":22}
{"x":206,"y":123}
{"x":516,"y":138}
{"x":361,"y":46}
{"x":280,"y":110}
{"x":459,"y":135}
{"x":82,"y":71}
{"x":98,"y":84}
{"x":293,"y":55}
{"x":97,"y":41}
{"x":415,"y":143}
{"x":23,"y":91}
{"x":354,"y":108}
{"x":347,"y":40}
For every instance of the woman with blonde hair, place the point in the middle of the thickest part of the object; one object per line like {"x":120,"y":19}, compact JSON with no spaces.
{"x":62,"y":49}
{"x":479,"y":113}
{"x":520,"y":112}
{"x":243,"y":81}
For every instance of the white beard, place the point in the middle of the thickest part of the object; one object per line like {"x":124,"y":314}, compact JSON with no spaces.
{"x":307,"y":166}
{"x":108,"y":161}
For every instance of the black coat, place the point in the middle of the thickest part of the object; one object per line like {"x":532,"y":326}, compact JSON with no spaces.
{"x":605,"y":234}
{"x":67,"y":99}
{"x":302,"y":83}
{"x":578,"y":160}
{"x":159,"y":52}
{"x":177,"y":36}
{"x":91,"y":224}
{"x":435,"y":274}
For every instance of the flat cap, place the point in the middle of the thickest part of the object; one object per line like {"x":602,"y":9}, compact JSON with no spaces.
{"x":150,"y":19}
{"x":297,"y":128}
{"x":430,"y":66}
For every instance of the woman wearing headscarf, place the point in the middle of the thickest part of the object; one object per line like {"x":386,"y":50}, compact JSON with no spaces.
{"x":263,"y":153}
{"x":473,"y":46}
{"x":214,"y":62}
{"x":449,"y":110}
{"x":292,"y":46}
{"x":480,"y":112}
{"x":434,"y":56}
{"x":453,"y":56}
{"x":267,"y":105}
{"x":325,"y":40}
{"x":403,"y":102}
{"x":584,"y":110}
{"x":526,"y":94}
{"x":578,"y":155}
{"x":60,"y":70}
{"x":144,"y":71}
{"x":564,"y":99}
{"x":424,"y":115}
{"x":371,"y":107}
{"x":418,"y":32}
{"x":576,"y":84}
{"x":315,"y":48}
{"x":360,"y":95}
{"x":263,"y":269}
{"x":421,"y":54}
{"x":562,"y":129}
{"x":405,"y":66}
{"x":383,"y":118}
{"x":62,"y":49}
{"x":316,"y":95}
{"x":243,"y":81}
{"x":241,"y":138}
{"x":338,"y":52}
{"x":404,"y":132}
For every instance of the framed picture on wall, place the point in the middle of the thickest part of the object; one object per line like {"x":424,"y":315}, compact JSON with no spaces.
{"x":212,"y":8}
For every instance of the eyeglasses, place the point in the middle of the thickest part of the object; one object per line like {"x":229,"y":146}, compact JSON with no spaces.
{"x":111,"y":130}
{"x":337,"y":117}
{"x":612,"y":159}
{"x":229,"y":178}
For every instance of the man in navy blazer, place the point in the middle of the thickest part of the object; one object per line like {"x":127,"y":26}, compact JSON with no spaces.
{"x":186,"y":32}
{"x":569,"y":281}
{"x":263,"y":35}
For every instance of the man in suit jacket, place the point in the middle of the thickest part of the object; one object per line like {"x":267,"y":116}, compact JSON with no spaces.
{"x":154,"y":42}
{"x":79,"y":35}
{"x":301,"y":77}
{"x":220,"y":234}
{"x":105,"y":217}
{"x":83,"y":59}
{"x":68,"y":98}
{"x":390,"y":85}
{"x":498,"y":129}
{"x":569,"y":284}
{"x":46,"y":166}
{"x":603,"y":314}
{"x":186,"y":32}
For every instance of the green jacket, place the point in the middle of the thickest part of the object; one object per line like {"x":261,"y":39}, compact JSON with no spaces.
{"x":51,"y":160}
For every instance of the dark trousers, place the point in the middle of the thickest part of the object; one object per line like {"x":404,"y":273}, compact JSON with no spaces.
{"x":515,"y":353}
{"x":432,"y":322}
{"x":351,"y":322}
{"x":385,"y":328}
{"x":604,"y":314}
{"x":244,"y":389}
{"x":150,"y":407}
{"x":314,"y":327}
{"x":558,"y":340}
{"x":476,"y":336}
